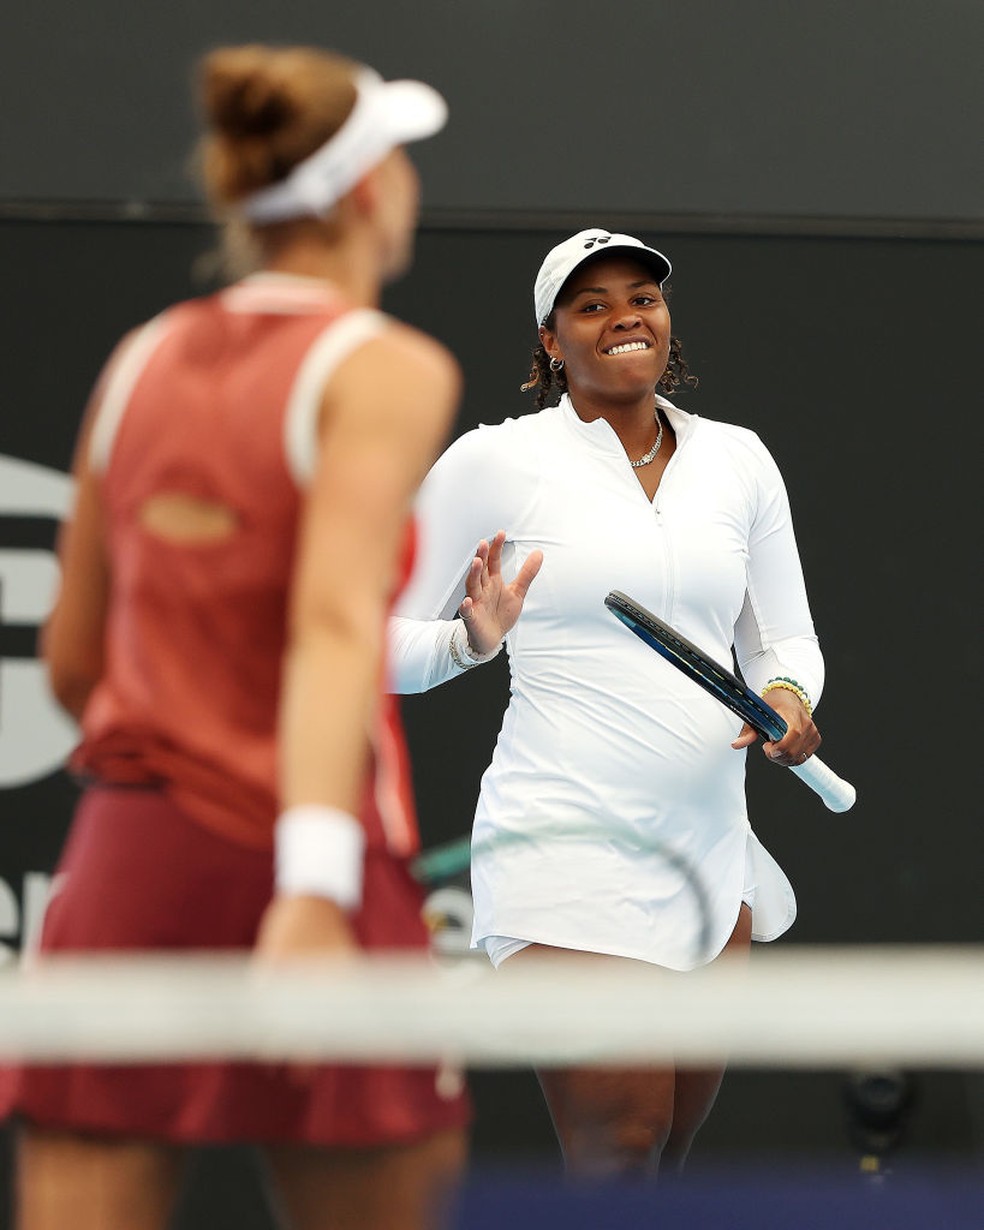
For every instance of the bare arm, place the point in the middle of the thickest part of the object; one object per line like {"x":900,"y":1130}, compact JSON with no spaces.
{"x":388,"y":410}
{"x":73,"y":637}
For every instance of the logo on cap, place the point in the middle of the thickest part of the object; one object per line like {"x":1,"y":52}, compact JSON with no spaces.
{"x":597,"y":239}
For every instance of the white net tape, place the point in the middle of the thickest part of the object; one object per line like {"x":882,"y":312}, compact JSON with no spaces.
{"x":792,"y":1007}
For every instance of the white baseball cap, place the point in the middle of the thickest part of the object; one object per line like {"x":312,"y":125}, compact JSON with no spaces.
{"x":561,"y":261}
{"x":386,"y":114}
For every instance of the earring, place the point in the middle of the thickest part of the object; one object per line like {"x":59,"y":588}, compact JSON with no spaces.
{"x":556,"y":365}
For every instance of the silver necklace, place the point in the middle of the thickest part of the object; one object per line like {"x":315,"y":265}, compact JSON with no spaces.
{"x":651,"y":455}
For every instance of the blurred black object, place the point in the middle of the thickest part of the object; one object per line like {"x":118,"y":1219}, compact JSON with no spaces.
{"x":878,"y":1103}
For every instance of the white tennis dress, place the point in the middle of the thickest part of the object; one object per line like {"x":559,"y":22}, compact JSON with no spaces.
{"x":612,"y":818}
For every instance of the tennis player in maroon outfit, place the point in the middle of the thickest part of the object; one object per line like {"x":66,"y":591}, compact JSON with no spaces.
{"x":245,"y":474}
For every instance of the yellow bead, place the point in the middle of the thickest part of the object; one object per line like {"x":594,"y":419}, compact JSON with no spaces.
{"x":788,"y":686}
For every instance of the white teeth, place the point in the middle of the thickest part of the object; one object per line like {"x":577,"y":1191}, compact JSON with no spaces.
{"x":627,"y":347}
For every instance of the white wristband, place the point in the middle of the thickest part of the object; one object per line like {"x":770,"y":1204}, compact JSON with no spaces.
{"x":462,"y":654}
{"x":318,"y":852}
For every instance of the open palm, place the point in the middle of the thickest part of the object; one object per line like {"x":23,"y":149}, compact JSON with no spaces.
{"x":491,"y":607}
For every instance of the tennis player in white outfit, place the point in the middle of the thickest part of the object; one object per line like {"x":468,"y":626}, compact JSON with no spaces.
{"x":612,"y":819}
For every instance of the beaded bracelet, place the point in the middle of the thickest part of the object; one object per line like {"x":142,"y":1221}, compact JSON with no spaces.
{"x":790,"y":685}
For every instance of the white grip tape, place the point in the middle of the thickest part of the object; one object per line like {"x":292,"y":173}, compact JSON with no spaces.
{"x":319,"y":852}
{"x":836,"y":793}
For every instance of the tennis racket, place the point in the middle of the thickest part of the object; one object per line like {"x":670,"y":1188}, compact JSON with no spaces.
{"x":837,"y":794}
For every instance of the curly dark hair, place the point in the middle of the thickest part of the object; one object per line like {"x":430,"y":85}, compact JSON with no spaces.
{"x":543,"y":379}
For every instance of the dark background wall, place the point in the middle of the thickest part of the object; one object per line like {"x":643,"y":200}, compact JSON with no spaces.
{"x":812,"y":172}
{"x":868,"y":109}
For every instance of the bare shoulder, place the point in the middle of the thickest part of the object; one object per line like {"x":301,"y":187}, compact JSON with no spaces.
{"x":415,"y":346}
{"x":402,"y":379}
{"x":413,"y":355}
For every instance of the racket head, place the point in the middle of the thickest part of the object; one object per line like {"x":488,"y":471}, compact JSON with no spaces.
{"x":696,"y":665}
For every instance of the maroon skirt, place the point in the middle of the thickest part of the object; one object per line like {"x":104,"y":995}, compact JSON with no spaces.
{"x":137,"y":874}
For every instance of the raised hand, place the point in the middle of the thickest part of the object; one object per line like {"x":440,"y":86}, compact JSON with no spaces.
{"x":491,"y":607}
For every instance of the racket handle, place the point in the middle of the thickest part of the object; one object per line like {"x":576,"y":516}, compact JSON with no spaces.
{"x":836,"y":793}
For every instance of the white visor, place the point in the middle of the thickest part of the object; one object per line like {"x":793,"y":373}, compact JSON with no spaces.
{"x":386,"y":114}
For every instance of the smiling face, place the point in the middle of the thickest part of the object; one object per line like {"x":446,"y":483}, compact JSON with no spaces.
{"x":611,"y":326}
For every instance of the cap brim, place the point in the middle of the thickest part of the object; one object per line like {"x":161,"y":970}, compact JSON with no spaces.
{"x":415,"y":110}
{"x":655,"y":261}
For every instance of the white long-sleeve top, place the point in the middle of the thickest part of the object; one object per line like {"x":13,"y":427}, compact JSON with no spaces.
{"x":612,"y":817}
